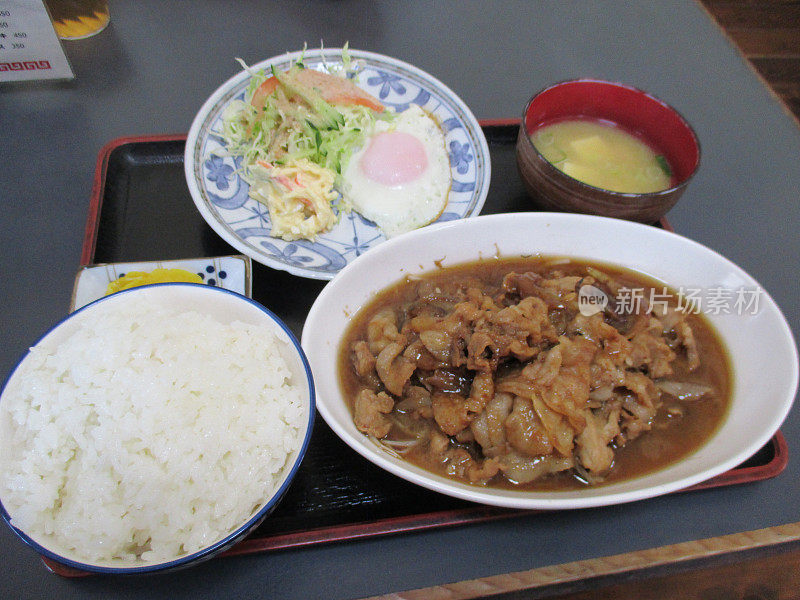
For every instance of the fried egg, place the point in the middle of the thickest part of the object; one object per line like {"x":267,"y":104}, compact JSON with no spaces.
{"x":400,"y":177}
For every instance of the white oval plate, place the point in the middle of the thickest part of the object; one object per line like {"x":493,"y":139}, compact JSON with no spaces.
{"x":222,"y":198}
{"x":760,"y":345}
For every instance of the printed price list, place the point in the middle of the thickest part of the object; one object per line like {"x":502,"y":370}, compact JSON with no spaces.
{"x":29,"y":47}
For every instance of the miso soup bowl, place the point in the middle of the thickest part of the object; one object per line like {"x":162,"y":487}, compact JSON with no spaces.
{"x":633,"y":110}
{"x":760,"y":344}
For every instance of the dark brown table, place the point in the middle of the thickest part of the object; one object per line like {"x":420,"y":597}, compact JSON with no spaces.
{"x":767,"y":33}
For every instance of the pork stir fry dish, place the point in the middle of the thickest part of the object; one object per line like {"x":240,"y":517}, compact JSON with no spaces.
{"x":496,"y":373}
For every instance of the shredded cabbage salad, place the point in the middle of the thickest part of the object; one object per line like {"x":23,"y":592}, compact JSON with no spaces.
{"x":296,"y":146}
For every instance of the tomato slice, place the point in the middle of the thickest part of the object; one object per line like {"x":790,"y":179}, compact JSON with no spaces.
{"x":333,"y":89}
{"x":264,"y":91}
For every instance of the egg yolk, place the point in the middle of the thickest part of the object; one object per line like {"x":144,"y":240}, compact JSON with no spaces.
{"x":393,"y":158}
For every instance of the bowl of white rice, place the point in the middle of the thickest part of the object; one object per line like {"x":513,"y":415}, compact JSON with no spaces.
{"x":152,"y":428}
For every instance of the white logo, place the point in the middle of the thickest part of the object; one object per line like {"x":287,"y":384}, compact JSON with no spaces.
{"x":591,"y":300}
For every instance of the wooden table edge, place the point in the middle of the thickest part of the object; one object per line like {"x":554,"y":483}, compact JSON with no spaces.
{"x":775,"y":95}
{"x":608,"y":568}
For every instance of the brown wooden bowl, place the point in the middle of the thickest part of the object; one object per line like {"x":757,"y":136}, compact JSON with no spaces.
{"x":632,"y":109}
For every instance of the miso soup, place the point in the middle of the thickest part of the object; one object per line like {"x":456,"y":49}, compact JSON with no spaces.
{"x":603,"y":155}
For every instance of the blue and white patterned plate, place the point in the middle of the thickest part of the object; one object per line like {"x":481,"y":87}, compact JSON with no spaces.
{"x":222,"y":197}
{"x":228,"y":272}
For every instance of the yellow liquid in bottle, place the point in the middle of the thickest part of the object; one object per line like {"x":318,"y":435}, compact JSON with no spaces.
{"x":77,"y":19}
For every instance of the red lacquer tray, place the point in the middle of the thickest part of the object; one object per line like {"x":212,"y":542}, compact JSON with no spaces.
{"x":141,"y":210}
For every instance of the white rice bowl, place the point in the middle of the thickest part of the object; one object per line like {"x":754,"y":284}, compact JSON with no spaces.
{"x":152,"y":428}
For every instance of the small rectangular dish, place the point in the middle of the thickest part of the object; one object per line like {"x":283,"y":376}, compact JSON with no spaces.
{"x":232,"y":273}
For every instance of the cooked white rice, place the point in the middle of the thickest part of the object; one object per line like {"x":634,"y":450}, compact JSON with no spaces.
{"x":147,"y":436}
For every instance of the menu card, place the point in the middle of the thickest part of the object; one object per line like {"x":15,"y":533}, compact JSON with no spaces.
{"x":29,"y":46}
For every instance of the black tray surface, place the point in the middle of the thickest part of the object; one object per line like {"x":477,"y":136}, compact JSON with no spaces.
{"x":146,"y":213}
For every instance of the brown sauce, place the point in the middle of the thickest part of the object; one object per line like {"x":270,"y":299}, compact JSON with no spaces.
{"x":671,"y":430}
